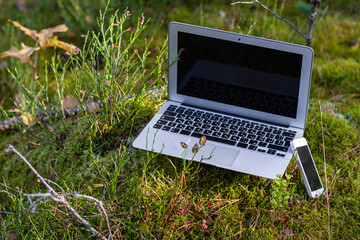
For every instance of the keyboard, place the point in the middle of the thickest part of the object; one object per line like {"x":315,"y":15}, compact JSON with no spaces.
{"x":226,"y":129}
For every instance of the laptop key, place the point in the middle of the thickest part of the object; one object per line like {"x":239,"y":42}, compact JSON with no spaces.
{"x":244,"y":140}
{"x":242,"y":145}
{"x":168,"y":113}
{"x":172,"y":124}
{"x":288,"y":134}
{"x":167,"y":118}
{"x":166,"y":128}
{"x":162,"y":122}
{"x":216,"y":134}
{"x":253,"y":142}
{"x":198,"y":130}
{"x":262,"y":144}
{"x":252,"y":147}
{"x":181,"y":126}
{"x":175,"y":130}
{"x":251,"y":136}
{"x":207,"y":132}
{"x":216,"y":139}
{"x":197,"y":124}
{"x":226,"y":136}
{"x":157,"y":126}
{"x":271,"y":151}
{"x":189,"y":128}
{"x":224,"y":130}
{"x":234,"y":138}
{"x":185,"y":132}
{"x":272,"y":146}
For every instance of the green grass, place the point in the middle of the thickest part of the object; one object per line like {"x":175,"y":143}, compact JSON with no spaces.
{"x":154,"y":196}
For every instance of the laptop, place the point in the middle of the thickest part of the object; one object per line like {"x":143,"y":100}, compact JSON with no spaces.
{"x":247,"y":95}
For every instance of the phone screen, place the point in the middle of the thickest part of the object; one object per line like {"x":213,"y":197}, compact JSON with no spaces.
{"x":309,"y":168}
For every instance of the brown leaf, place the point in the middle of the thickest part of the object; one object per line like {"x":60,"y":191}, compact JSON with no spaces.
{"x":27,"y":31}
{"x":46,"y":34}
{"x":54,"y":42}
{"x":23,"y":54}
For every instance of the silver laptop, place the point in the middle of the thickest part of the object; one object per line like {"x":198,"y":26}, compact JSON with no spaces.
{"x":247,"y":95}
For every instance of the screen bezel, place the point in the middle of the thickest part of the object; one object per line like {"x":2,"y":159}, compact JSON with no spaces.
{"x":304,"y":88}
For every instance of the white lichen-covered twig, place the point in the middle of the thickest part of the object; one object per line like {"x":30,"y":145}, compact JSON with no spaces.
{"x":44,"y":116}
{"x":61,"y":198}
{"x":313,"y":12}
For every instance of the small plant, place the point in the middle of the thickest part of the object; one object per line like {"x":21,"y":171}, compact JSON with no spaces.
{"x":280,"y":192}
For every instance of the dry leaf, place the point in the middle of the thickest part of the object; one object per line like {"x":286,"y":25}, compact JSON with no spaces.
{"x":45,"y":37}
{"x":46,"y":34}
{"x":98,"y":185}
{"x":23,"y":54}
{"x":26,"y":119}
{"x":27,"y":31}
{"x":54,"y":42}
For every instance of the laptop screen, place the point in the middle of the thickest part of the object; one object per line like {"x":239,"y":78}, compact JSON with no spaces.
{"x":239,"y":74}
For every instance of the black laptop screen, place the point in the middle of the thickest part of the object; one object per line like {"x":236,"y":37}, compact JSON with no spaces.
{"x":239,"y":74}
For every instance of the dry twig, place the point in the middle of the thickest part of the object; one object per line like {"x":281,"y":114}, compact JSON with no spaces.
{"x":44,"y":116}
{"x":313,"y":12}
{"x":60,"y":198}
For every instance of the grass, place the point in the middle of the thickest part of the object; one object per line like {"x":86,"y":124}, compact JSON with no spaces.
{"x":153,"y":196}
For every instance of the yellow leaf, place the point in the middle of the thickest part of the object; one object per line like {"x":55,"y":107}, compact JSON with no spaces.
{"x":45,"y":34}
{"x":54,"y":42}
{"x":15,"y":110}
{"x":23,"y":54}
{"x":27,"y":31}
{"x":98,"y":185}
{"x":26,"y":119}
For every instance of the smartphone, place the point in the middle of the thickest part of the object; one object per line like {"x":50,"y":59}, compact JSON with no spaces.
{"x":307,"y":167}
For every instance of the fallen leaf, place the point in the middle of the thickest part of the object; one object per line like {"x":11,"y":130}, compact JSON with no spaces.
{"x":26,"y":119}
{"x":23,"y":54}
{"x":54,"y":42}
{"x":98,"y":185}
{"x":45,"y":37}
{"x":47,"y":33}
{"x":27,"y":31}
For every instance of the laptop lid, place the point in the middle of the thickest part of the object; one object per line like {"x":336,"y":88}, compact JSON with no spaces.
{"x":239,"y":74}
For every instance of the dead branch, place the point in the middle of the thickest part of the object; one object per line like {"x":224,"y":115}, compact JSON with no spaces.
{"x":60,"y":198}
{"x":45,"y":116}
{"x":314,"y":8}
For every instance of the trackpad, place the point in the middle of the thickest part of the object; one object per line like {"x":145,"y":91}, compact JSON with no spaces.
{"x":210,"y":153}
